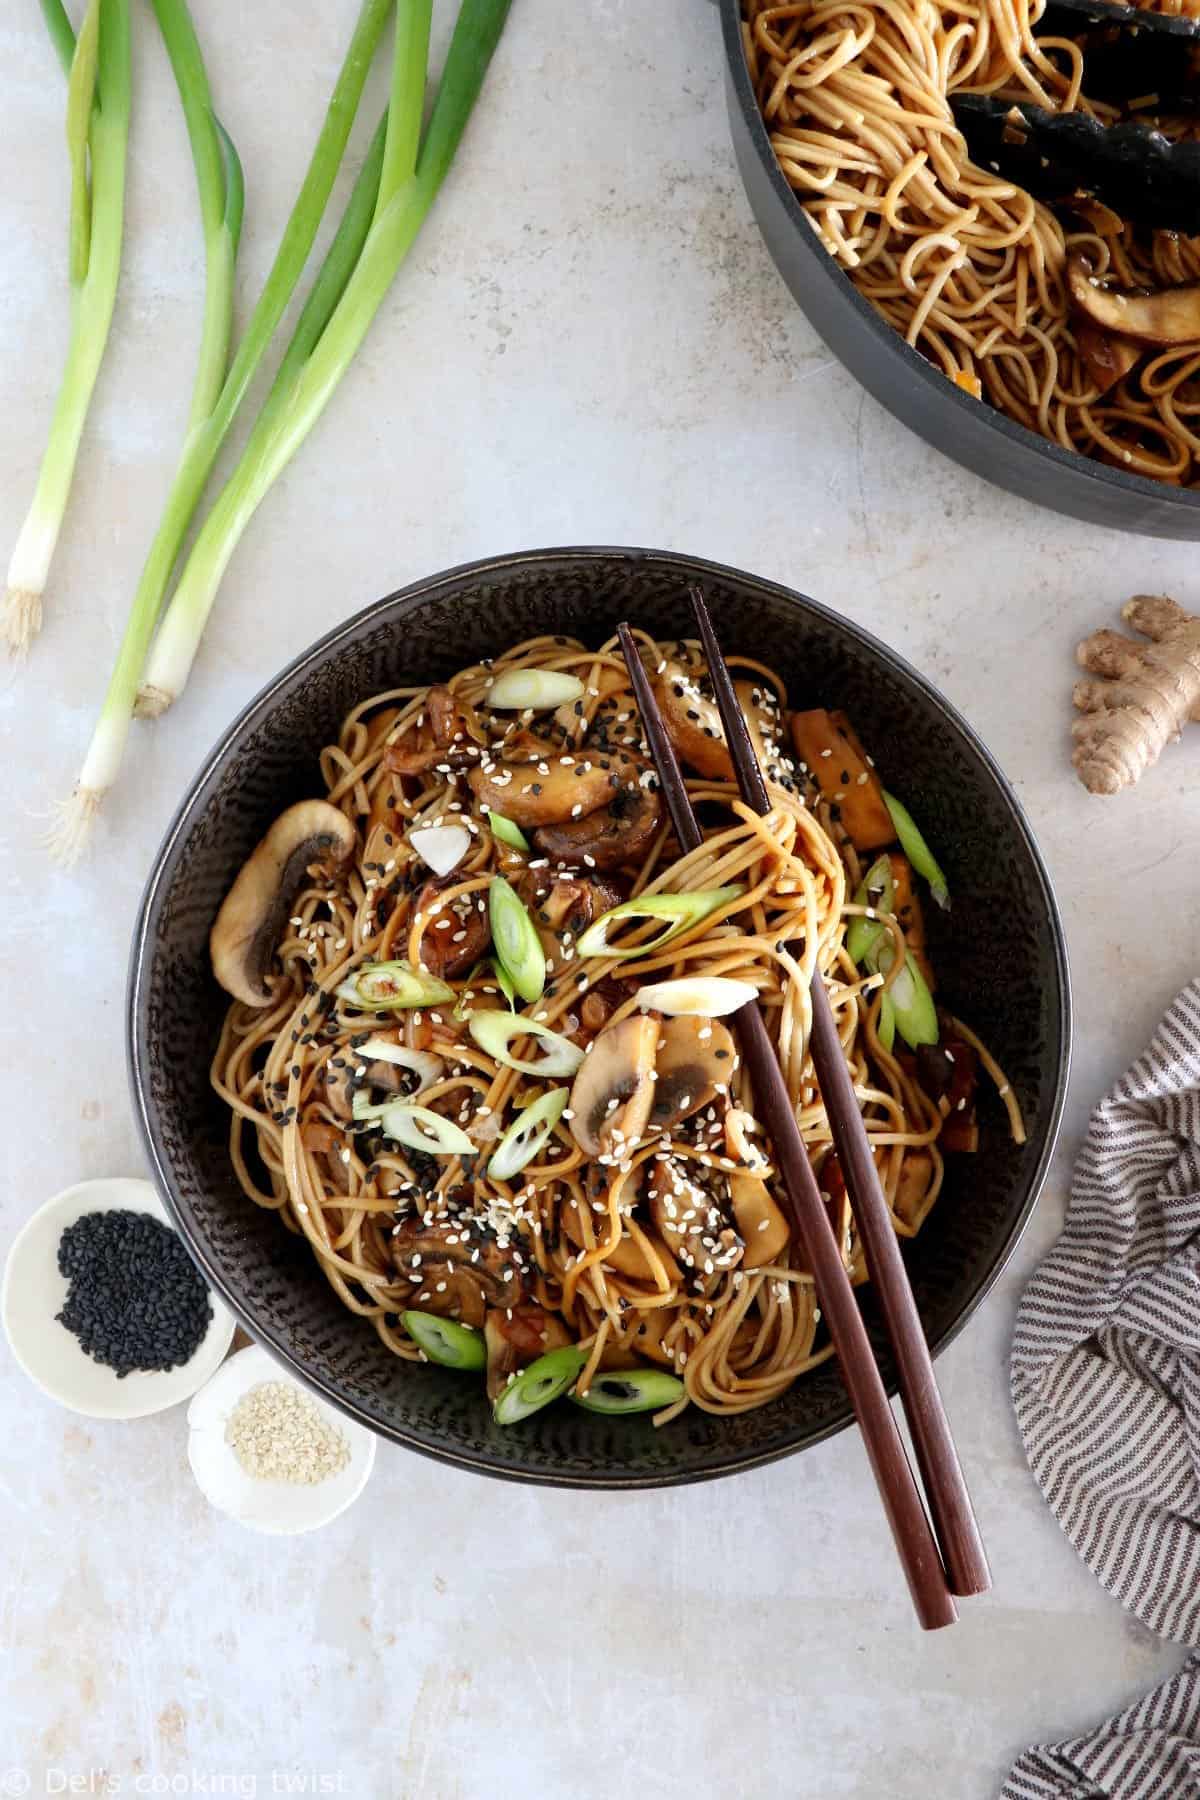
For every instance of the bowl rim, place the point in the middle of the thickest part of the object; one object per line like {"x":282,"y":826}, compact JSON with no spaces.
{"x":408,"y":598}
{"x":1142,"y":487}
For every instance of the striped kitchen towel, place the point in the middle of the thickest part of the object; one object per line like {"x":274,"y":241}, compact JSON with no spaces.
{"x":1106,"y":1385}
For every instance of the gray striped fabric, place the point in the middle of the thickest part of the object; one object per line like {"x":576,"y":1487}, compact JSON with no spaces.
{"x":1106,"y":1385}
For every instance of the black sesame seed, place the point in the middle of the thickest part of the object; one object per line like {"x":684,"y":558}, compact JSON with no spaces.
{"x":134,"y":1300}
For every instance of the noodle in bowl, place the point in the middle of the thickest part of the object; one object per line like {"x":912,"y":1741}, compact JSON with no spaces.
{"x":743,"y":1334}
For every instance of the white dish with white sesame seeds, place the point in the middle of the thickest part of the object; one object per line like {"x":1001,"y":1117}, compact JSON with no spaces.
{"x":35,"y":1292}
{"x":330,"y":1457}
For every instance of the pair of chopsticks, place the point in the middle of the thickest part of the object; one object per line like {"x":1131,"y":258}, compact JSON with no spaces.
{"x":959,"y":1566}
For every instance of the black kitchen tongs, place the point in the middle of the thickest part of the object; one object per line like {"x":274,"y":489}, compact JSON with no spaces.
{"x":1149,"y":62}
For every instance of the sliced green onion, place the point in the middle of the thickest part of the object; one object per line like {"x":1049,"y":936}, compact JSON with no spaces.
{"x":527,"y":1134}
{"x":495,"y":1031}
{"x":392,"y":987}
{"x":630,"y":1391}
{"x":705,"y":996}
{"x":516,"y":941}
{"x":98,"y":110}
{"x":421,"y":1063}
{"x":217,"y":395}
{"x":545,"y":1380}
{"x":422,"y":1129}
{"x":445,"y":1341}
{"x":504,"y":983}
{"x":682,"y":911}
{"x":533,"y":690}
{"x":885,"y":1030}
{"x":912,"y":1003}
{"x":506,"y":832}
{"x":919,"y":854}
{"x":307,"y":380}
{"x":878,"y":891}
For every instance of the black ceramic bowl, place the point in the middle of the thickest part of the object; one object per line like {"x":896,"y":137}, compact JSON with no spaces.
{"x":974,"y":434}
{"x":1000,"y":956}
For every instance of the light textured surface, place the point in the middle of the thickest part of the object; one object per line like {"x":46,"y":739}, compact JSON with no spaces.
{"x":589,"y":345}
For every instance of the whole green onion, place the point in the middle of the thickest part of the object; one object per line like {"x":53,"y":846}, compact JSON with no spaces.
{"x":98,"y":109}
{"x":217,"y":395}
{"x":295,"y":405}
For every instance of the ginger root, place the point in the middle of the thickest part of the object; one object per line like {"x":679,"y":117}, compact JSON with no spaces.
{"x":1145,"y":695}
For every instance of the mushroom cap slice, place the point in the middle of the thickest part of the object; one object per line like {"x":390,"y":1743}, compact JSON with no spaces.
{"x":515,"y":1338}
{"x":552,"y":790}
{"x":423,"y":1251}
{"x":457,"y":932}
{"x":614,"y":1088}
{"x":1170,"y":316}
{"x":694,"y":724}
{"x":693,"y":1057}
{"x":760,"y":1224}
{"x":248,"y":927}
{"x":611,"y":835}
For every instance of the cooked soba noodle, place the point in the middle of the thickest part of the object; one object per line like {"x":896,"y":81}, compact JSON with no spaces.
{"x":966,"y":266}
{"x":698,"y":1300}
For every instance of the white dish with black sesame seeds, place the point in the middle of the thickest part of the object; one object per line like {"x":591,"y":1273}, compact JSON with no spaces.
{"x":270,"y":1453}
{"x":184,"y":1318}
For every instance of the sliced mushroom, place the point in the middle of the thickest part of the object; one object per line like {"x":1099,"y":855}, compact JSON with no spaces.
{"x":694,"y":724}
{"x":628,"y":1256}
{"x":565,"y":903}
{"x":916,"y":1172}
{"x":601,"y":1002}
{"x":454,"y":1293}
{"x":551,"y":790}
{"x":517,"y":1337}
{"x":1168,"y":316}
{"x":249,"y":925}
{"x":610,"y":836}
{"x":456,"y":934}
{"x":614,"y":1089}
{"x":691,"y":1220}
{"x":694,"y":1056}
{"x":760,"y":1224}
{"x":453,"y":721}
{"x":424,"y":1253}
{"x":1107,"y":359}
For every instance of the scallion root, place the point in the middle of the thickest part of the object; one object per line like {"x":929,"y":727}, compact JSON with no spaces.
{"x":68,"y":837}
{"x":22,"y":618}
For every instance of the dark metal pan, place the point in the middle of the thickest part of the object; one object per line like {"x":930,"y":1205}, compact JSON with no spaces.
{"x":961,"y":427}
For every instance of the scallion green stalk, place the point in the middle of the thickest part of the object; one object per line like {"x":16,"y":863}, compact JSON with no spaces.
{"x":218,"y":393}
{"x":295,"y":405}
{"x":98,"y":108}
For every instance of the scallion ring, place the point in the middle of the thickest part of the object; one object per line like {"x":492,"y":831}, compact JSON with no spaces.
{"x":515,"y":939}
{"x":545,"y":1380}
{"x":495,"y":1031}
{"x":535,"y":690}
{"x":630,"y":1391}
{"x":876,"y":890}
{"x":392,"y":987}
{"x":445,"y":1341}
{"x":681,"y":911}
{"x":527,"y":1135}
{"x":421,"y":1129}
{"x":505,"y":832}
{"x":912,"y":842}
{"x":911,"y":1001}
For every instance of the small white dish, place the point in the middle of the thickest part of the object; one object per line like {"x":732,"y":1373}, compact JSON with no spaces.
{"x":34,"y":1294}
{"x":282,"y":1508}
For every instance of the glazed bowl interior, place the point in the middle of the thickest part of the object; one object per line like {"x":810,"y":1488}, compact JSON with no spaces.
{"x":968,"y":430}
{"x":999,"y":955}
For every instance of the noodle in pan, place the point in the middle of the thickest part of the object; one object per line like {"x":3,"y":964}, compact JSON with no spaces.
{"x":969,"y":268}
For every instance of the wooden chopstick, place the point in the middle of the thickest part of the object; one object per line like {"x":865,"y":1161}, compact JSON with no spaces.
{"x":919,"y":1556}
{"x":941,"y":1472}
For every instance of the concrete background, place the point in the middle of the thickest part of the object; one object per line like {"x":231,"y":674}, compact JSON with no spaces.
{"x":588,"y":345}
